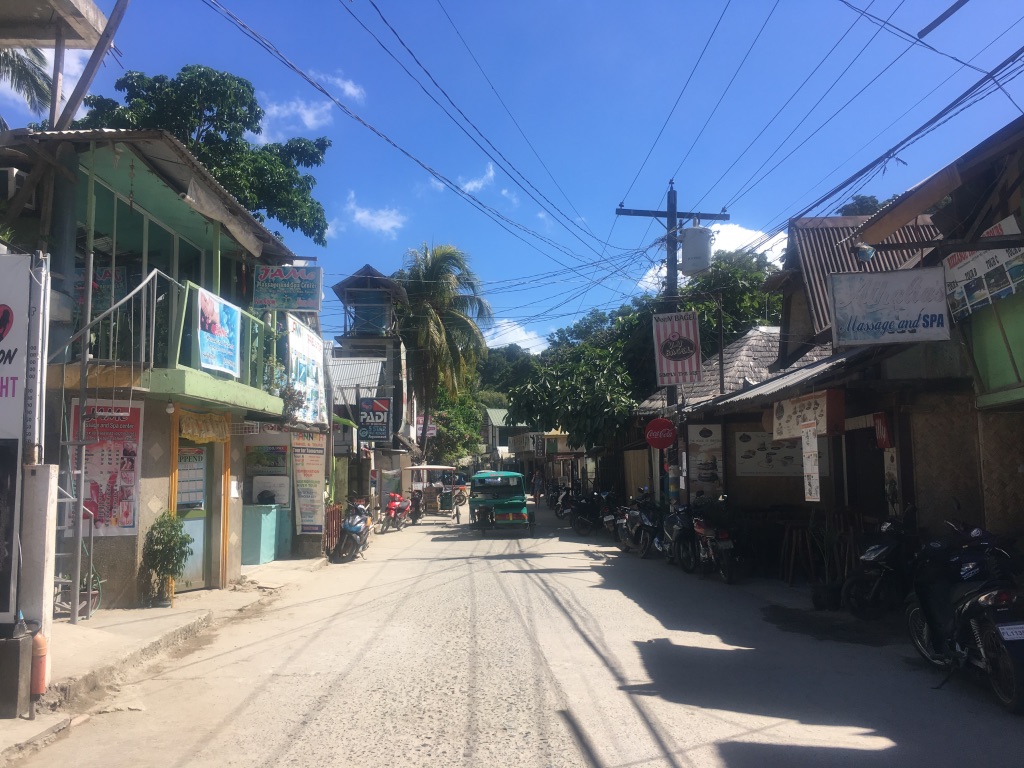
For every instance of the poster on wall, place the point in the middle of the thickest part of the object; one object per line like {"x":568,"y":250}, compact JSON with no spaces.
{"x":14,"y":314}
{"x":280,"y":289}
{"x":704,"y":459}
{"x":809,"y":448}
{"x":219,"y":329}
{"x":109,"y":285}
{"x":757,"y":454}
{"x":113,"y":429}
{"x":309,"y":452}
{"x":827,"y":409}
{"x":191,"y":478}
{"x":266,"y":460}
{"x":974,"y":279}
{"x":306,"y":371}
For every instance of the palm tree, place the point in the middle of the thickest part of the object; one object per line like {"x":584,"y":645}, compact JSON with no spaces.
{"x":439,"y":326}
{"x":24,"y":69}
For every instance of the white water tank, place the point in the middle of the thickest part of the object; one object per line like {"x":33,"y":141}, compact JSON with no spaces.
{"x":695,"y":249}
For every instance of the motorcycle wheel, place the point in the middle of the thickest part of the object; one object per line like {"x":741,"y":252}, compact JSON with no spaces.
{"x":920,"y":636}
{"x":646,"y":543}
{"x":1005,"y":674}
{"x":582,"y":525}
{"x":727,"y":566}
{"x":857,"y":595}
{"x":348,"y":550}
{"x":459,"y":499}
{"x":560,"y":511}
{"x":385,"y":523}
{"x":686,"y":554}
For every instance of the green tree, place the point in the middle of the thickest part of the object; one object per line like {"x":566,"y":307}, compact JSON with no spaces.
{"x":440,"y":324}
{"x":584,"y":390}
{"x":458,"y":421}
{"x":211,"y":113}
{"x":24,"y":69}
{"x":863,"y":205}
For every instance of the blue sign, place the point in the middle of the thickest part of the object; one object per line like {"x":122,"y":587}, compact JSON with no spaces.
{"x":219,"y":329}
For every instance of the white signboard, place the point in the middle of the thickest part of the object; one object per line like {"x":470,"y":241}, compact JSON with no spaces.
{"x":759,"y":455}
{"x":975,"y":279}
{"x":904,"y":306}
{"x":809,"y":444}
{"x":306,"y":371}
{"x":704,"y":458}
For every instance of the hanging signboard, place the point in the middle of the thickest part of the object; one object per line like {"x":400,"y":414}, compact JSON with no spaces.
{"x":218,"y":328}
{"x":901,"y":307}
{"x":309,"y":450}
{"x":660,"y":433}
{"x":14,"y":338}
{"x":306,"y":371}
{"x":826,"y":409}
{"x":677,"y":348}
{"x":809,"y":445}
{"x":113,"y":431}
{"x":375,"y":419}
{"x":974,"y":279}
{"x":297,"y":289}
{"x":704,"y":459}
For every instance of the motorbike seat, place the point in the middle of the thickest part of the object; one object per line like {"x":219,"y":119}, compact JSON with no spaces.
{"x":404,"y":505}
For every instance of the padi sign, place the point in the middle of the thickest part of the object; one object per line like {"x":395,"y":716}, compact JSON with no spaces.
{"x":292,"y":289}
{"x":901,"y":307}
{"x":374,"y":419}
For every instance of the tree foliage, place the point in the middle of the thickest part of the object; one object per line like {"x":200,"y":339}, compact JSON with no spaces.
{"x":24,"y":70}
{"x":439,"y":327}
{"x":458,"y":420}
{"x":211,"y":113}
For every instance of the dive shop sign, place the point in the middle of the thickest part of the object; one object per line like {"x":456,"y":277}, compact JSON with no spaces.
{"x":901,"y":307}
{"x":677,"y":348}
{"x":374,"y":419}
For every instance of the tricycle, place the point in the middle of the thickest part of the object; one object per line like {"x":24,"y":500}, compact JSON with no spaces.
{"x":497,"y":501}
{"x":433,"y":491}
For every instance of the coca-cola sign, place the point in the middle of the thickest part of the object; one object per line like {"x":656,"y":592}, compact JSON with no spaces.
{"x":660,"y":433}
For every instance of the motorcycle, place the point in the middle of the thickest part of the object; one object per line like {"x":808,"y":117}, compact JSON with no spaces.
{"x":715,"y":549}
{"x":967,"y":610}
{"x":588,"y":514}
{"x":355,"y":534}
{"x":415,"y":506}
{"x":884,"y":576}
{"x":553,"y":494}
{"x":676,"y":541}
{"x":396,"y":514}
{"x":564,"y":502}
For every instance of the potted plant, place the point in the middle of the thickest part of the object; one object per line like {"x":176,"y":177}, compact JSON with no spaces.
{"x":827,"y":594}
{"x":164,"y":552}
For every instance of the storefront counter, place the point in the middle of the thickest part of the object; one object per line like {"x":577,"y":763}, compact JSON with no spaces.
{"x":266,"y":533}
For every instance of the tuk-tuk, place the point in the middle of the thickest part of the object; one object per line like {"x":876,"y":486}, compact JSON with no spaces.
{"x":497,"y":501}
{"x":436,"y":484}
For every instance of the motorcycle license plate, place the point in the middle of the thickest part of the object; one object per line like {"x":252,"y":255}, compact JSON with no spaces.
{"x":1011,"y":631}
{"x":609,"y":518}
{"x":725,"y":544}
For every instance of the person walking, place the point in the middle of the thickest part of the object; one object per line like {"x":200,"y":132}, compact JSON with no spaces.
{"x":538,"y":485}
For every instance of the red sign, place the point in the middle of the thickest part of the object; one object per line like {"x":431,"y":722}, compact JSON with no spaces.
{"x":660,"y":433}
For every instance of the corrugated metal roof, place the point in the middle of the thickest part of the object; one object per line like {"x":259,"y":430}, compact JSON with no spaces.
{"x":347,"y":373}
{"x":790,"y":382}
{"x":820,"y":247}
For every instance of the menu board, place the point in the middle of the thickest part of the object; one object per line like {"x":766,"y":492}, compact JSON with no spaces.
{"x":974,"y":279}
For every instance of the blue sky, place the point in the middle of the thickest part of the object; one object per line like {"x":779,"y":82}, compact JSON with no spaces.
{"x":569,"y":108}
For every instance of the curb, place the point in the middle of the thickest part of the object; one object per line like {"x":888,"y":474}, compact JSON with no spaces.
{"x":34,"y":743}
{"x":68,"y":690}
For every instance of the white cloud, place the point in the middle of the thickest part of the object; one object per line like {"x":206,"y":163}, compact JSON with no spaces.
{"x":475,"y":185}
{"x":282,"y":115}
{"x":334,"y":228}
{"x":385,"y":221}
{"x":349,"y":88}
{"x":505,"y":332}
{"x":435,"y":183}
{"x":511,"y":196}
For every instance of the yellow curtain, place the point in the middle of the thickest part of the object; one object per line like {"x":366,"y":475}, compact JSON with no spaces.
{"x":205,"y":427}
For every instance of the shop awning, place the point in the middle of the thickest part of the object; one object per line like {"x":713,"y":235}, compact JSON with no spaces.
{"x":794,"y":382}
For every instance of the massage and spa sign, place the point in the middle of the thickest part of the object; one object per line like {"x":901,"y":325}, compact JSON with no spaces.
{"x":904,"y":306}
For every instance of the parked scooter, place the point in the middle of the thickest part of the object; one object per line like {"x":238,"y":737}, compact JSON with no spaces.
{"x":355,"y":534}
{"x":715,"y":549}
{"x":884,"y":576}
{"x":564,"y":502}
{"x":676,"y":541}
{"x":966,"y":609}
{"x":415,"y":506}
{"x":588,"y":514}
{"x":396,"y":514}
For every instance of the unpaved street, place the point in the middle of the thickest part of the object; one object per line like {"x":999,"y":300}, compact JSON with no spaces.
{"x":445,"y":649}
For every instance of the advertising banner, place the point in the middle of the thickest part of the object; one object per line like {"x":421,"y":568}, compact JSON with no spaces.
{"x":375,"y":419}
{"x":704,"y":459}
{"x":306,"y":371}
{"x":809,"y":446}
{"x":113,"y":429}
{"x":296,"y":289}
{"x":677,"y":348}
{"x":975,"y":279}
{"x":758,"y":454}
{"x":905,"y":306}
{"x":309,"y":450}
{"x":14,"y":336}
{"x":431,"y":428}
{"x":266,"y":460}
{"x":219,"y":331}
{"x":827,"y":409}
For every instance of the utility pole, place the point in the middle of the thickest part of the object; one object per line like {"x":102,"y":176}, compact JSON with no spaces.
{"x":672,"y":217}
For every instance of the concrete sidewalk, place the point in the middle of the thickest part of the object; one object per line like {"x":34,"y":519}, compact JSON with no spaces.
{"x":92,"y":654}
